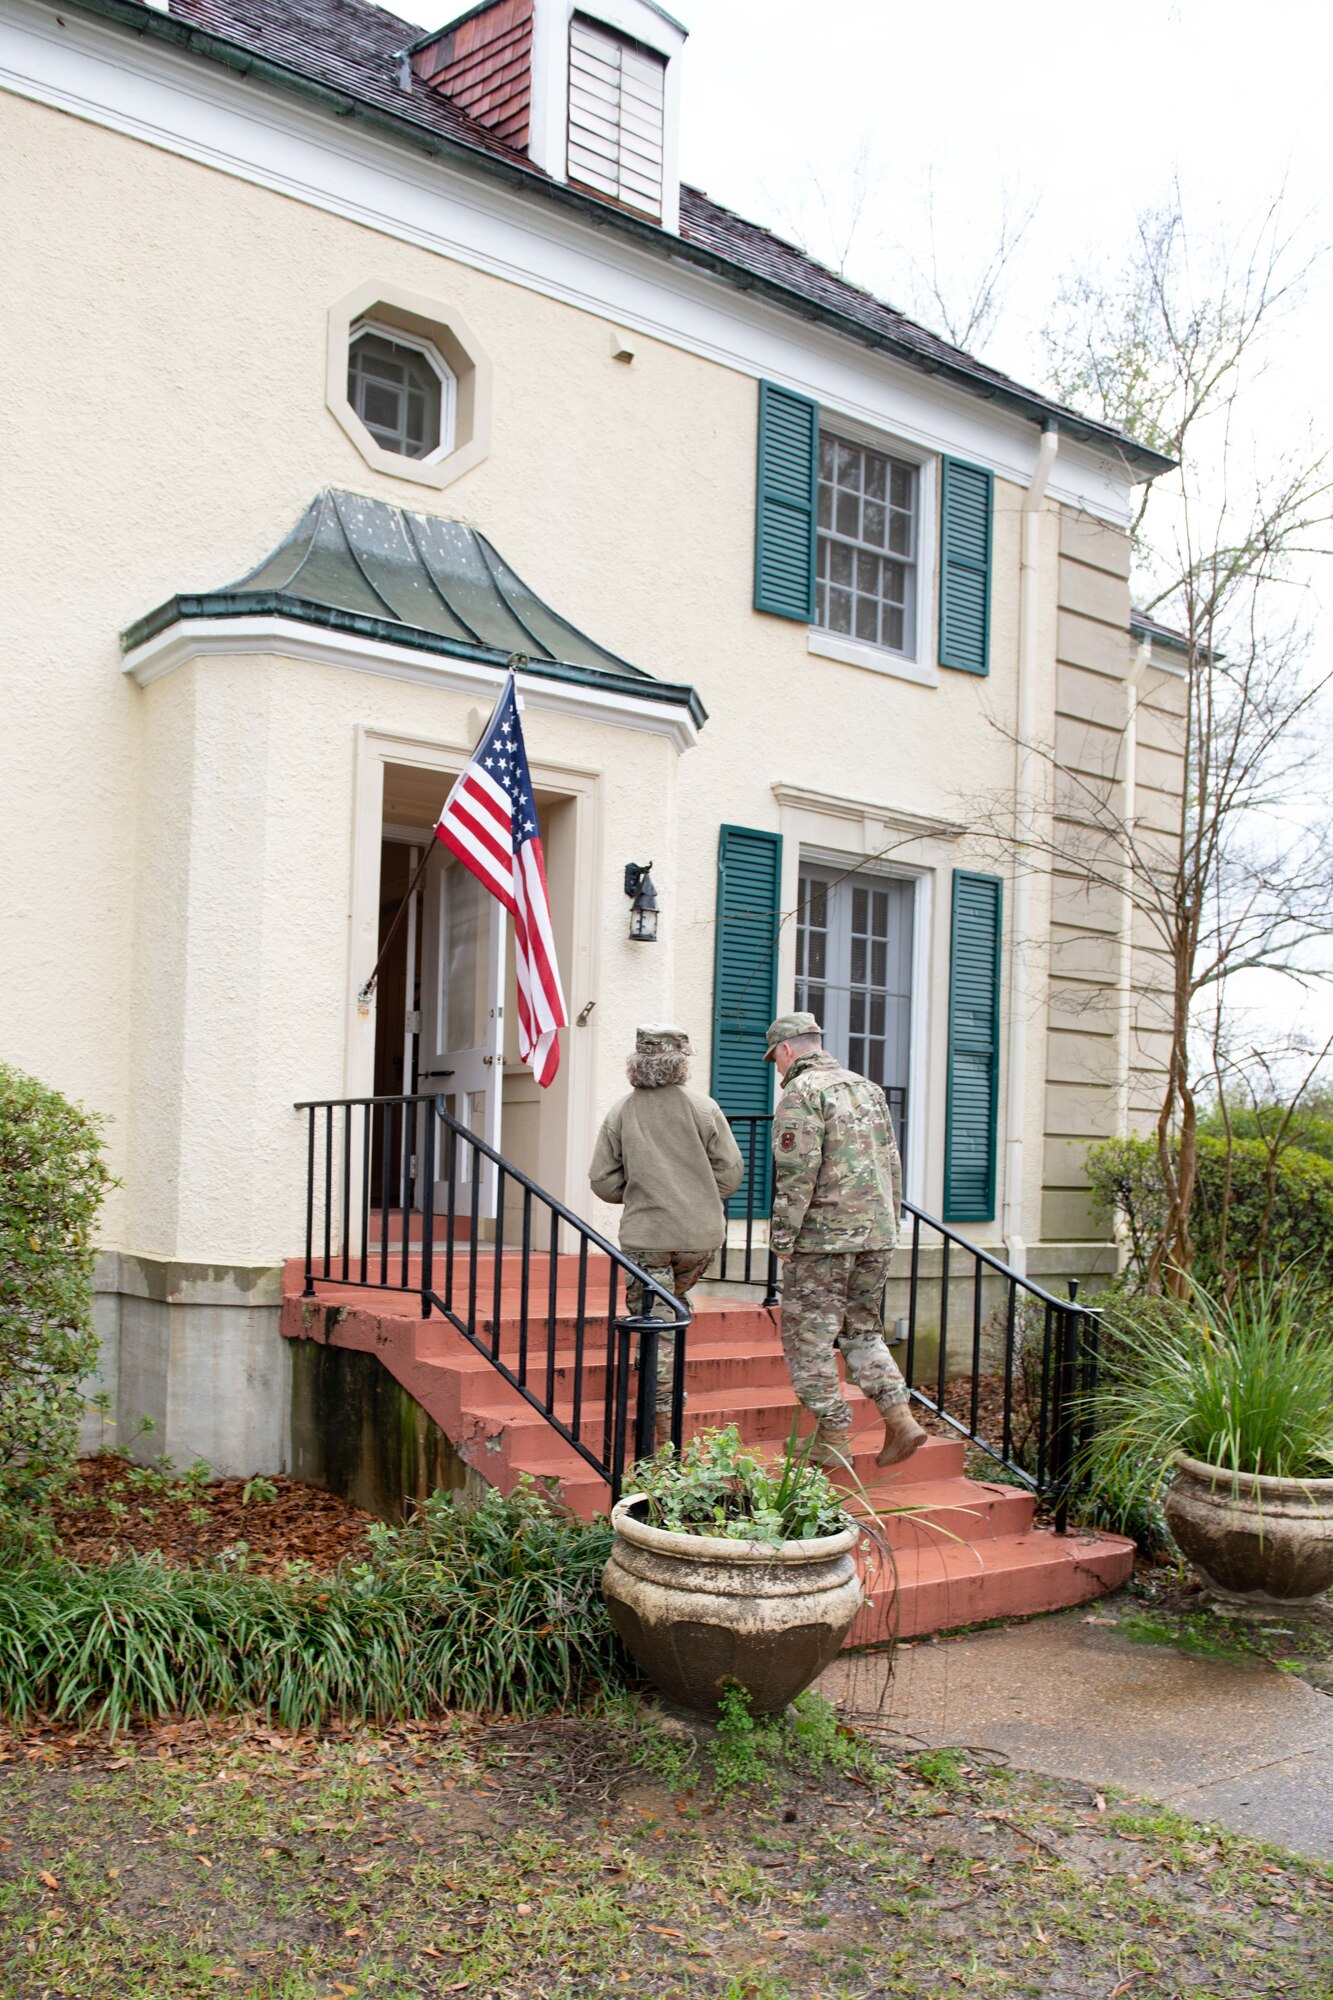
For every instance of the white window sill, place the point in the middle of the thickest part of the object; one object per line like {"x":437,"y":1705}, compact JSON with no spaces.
{"x":855,"y":653}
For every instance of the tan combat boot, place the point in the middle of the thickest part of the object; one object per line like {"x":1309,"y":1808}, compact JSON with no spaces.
{"x":832,"y":1447}
{"x":902,"y":1435}
{"x":661,"y":1429}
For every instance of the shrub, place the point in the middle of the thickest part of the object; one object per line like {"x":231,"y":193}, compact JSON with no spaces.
{"x":52,"y":1178}
{"x":495,"y":1609}
{"x":1125,"y":1176}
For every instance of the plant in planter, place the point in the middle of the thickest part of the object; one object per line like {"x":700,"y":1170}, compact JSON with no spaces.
{"x":727,"y":1570}
{"x":1231,"y":1401}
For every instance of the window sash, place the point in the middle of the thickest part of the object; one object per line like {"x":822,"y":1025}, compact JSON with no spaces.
{"x":867,"y":546}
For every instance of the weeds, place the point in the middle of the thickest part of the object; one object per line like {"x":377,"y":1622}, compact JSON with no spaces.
{"x":750,"y":1750}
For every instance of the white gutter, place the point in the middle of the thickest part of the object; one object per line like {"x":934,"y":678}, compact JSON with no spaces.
{"x":1125,"y":982}
{"x":1029,"y":606}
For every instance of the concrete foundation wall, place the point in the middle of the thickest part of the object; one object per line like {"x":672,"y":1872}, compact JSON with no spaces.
{"x":194,"y":1348}
{"x":357,"y":1432}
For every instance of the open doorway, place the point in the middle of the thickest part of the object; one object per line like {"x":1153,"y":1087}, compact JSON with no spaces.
{"x":446,"y":1021}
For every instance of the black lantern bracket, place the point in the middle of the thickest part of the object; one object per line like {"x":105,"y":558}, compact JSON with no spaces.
{"x":643,"y":907}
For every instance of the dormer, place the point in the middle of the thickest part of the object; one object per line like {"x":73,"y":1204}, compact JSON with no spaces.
{"x":590,"y":92}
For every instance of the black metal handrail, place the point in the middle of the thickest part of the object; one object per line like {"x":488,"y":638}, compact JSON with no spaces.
{"x":1042,"y":1349}
{"x":373,"y":1163}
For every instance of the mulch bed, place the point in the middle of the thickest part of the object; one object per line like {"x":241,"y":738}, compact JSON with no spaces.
{"x":113,"y":1506}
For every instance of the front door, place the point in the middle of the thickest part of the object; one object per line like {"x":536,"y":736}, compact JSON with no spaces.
{"x":462,"y":1019}
{"x":854,"y":974}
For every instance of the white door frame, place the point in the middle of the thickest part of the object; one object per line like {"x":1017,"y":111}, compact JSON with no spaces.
{"x":582,"y":787}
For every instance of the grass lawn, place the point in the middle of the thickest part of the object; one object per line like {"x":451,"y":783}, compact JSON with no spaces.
{"x":608,"y":1854}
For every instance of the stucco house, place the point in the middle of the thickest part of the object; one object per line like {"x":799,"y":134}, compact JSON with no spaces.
{"x":347,"y":362}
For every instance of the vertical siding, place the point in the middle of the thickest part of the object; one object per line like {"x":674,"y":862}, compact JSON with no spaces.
{"x":484,"y":66}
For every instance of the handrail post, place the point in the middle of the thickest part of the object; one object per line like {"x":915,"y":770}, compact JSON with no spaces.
{"x":678,"y":1384}
{"x":1062,"y":1442}
{"x":646,"y":1403}
{"x":309,"y":1291}
{"x":620,"y":1423}
{"x":426,"y":1182}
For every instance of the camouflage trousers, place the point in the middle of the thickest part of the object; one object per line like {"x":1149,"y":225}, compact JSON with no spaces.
{"x":829,"y":1302}
{"x":676,"y":1271}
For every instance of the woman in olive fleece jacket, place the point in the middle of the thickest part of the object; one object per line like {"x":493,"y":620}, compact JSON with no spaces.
{"x":666,"y":1154}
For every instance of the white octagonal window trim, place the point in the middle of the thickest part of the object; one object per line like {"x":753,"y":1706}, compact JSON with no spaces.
{"x":409,"y":384}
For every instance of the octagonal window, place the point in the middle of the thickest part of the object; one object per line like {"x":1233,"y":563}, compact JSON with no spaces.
{"x":403,"y":392}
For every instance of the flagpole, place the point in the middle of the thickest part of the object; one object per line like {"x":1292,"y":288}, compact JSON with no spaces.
{"x":516,"y":660}
{"x":368,"y":989}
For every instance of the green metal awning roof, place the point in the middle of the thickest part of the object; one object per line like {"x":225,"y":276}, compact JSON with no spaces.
{"x":364,"y":567}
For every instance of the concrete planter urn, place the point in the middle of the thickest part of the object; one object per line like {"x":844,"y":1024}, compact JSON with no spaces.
{"x":1253,"y":1540}
{"x":697,"y":1611}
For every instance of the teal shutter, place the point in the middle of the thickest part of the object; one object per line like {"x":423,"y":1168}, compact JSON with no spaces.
{"x":965,"y":559}
{"x":784,"y":528}
{"x":745,"y":989}
{"x":972,"y":1101}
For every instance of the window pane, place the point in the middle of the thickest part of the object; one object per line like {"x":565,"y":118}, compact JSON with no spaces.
{"x":874,"y":523}
{"x":880,"y":912}
{"x":858,"y":1013}
{"x":858,"y":958}
{"x":840,"y":611}
{"x":867,"y":620}
{"x":847,"y":517}
{"x":879,"y":964}
{"x":840,"y":563}
{"x":901,"y":488}
{"x":825,"y":457}
{"x":895,"y":583}
{"x":825,"y":505}
{"x":900,"y":534}
{"x":849,"y":465}
{"x":876,"y":474}
{"x":893,"y":630}
{"x":877,"y":1014}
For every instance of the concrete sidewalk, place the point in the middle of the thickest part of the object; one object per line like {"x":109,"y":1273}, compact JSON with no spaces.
{"x":1238,"y":1744}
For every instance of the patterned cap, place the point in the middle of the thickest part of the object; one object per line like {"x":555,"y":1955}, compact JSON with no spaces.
{"x":787,"y":1028}
{"x":653,"y":1041}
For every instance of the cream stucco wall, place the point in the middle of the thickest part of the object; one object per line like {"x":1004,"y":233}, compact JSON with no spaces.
{"x":188,"y":854}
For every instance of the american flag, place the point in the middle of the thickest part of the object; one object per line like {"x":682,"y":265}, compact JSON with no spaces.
{"x":490,"y":822}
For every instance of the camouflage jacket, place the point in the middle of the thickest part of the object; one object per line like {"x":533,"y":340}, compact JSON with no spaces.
{"x":839,"y":1178}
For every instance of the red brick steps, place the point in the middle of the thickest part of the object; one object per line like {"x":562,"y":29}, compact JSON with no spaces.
{"x":950,"y":1551}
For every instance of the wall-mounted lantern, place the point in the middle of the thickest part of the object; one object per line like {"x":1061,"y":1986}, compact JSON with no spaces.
{"x":643,"y":908}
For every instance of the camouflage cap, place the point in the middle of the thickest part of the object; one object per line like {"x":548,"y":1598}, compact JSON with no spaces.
{"x":787,"y":1028}
{"x":653,"y":1041}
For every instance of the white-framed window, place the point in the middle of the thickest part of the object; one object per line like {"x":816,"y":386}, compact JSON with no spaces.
{"x":855,"y":949}
{"x":403,"y":391}
{"x":867,"y":549}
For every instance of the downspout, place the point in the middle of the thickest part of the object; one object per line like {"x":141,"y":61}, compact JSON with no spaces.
{"x":1125,"y":981}
{"x":1029,"y":606}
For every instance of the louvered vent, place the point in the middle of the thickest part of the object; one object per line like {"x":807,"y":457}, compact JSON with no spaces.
{"x":617,"y":101}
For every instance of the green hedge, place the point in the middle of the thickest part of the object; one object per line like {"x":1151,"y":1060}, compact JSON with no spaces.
{"x":52,"y":1178}
{"x":1125,"y":1176}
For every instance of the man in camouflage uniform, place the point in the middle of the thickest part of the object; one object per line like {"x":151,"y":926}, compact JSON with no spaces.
{"x":835,"y":1221}
{"x":667,"y":1157}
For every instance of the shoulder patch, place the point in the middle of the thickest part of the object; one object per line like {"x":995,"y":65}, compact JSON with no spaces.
{"x":787,"y":1141}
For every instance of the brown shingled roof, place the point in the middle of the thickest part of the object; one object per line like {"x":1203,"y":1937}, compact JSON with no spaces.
{"x":355,"y":49}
